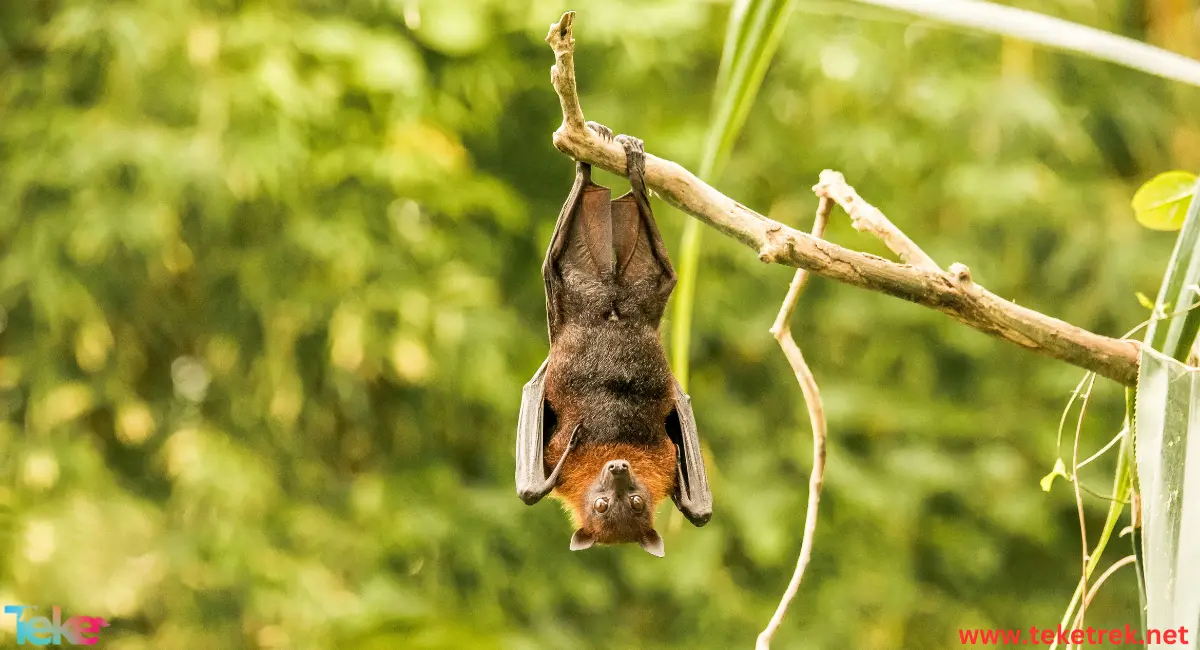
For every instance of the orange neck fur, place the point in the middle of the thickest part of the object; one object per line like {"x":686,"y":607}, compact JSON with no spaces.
{"x":654,"y":467}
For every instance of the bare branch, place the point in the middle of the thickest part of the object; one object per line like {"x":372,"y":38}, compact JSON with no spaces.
{"x":782,"y":331}
{"x":867,"y":218}
{"x":783,"y":321}
{"x":952,"y":293}
{"x":562,"y":74}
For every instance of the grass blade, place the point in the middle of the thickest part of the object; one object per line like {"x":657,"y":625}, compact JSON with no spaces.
{"x":755,"y":27}
{"x":1053,"y":32}
{"x":1174,"y":336}
{"x":1167,"y":433}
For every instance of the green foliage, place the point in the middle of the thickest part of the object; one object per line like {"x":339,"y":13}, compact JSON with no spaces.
{"x":1168,"y":459}
{"x":1174,"y":332}
{"x":1162,"y":549}
{"x":751,"y":38}
{"x":269,"y":286}
{"x":1060,"y":469}
{"x":1053,"y":32}
{"x":1162,"y":203}
{"x":1154,"y":202}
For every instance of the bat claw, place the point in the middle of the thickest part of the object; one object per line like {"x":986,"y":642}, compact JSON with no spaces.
{"x":631,"y":143}
{"x":603,"y":131}
{"x":530,"y":497}
{"x":635,"y":161}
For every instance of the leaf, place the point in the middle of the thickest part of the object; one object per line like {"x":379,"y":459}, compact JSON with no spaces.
{"x":1060,"y":469}
{"x":1053,"y":32}
{"x":750,"y":43}
{"x":1161,"y":203}
{"x":1145,"y":301}
{"x":1173,"y":336}
{"x":1168,"y":462}
{"x":751,"y":38}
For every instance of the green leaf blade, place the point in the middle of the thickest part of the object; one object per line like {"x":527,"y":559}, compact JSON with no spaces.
{"x":1175,"y":335}
{"x":1168,"y":462}
{"x":1162,"y":203}
{"x":751,"y":39}
{"x":1053,"y":32}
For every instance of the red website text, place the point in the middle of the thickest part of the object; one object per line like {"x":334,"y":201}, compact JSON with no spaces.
{"x":1081,"y":636}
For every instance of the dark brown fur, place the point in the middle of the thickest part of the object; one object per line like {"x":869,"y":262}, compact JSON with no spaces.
{"x":611,"y":376}
{"x":603,"y":424}
{"x":608,"y":372}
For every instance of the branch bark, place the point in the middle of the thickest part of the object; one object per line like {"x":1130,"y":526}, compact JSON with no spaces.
{"x":782,"y":331}
{"x":867,"y":218}
{"x":950,"y":292}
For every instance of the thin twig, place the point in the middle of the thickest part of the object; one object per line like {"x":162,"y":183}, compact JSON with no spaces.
{"x":1128,"y":559}
{"x":1062,"y":421}
{"x":951,"y":292}
{"x":782,"y":331}
{"x":1115,"y":440}
{"x":867,"y":218}
{"x":1087,"y":396}
{"x":1098,"y":495}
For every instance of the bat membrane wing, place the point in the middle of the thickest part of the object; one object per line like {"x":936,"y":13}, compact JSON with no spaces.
{"x":590,"y":242}
{"x":633,"y":243}
{"x":692,"y":495}
{"x":581,"y":247}
{"x":533,"y":423}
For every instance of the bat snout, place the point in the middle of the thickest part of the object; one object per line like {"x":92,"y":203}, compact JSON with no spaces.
{"x":617,"y":467}
{"x":617,"y":475}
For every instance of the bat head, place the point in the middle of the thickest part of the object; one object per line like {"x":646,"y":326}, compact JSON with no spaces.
{"x":599,"y":484}
{"x":617,"y":508}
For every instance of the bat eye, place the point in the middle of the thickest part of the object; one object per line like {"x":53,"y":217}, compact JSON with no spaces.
{"x":601,"y":505}
{"x":636,"y":502}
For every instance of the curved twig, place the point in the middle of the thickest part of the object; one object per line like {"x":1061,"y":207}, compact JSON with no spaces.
{"x":1128,"y":559}
{"x":782,"y":331}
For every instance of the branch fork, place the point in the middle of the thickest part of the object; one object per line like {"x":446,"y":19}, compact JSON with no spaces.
{"x":920,"y":280}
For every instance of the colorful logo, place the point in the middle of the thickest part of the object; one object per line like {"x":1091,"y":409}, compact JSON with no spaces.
{"x":43,"y":630}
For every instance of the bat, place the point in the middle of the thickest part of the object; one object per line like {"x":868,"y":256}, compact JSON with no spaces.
{"x":604,"y":425}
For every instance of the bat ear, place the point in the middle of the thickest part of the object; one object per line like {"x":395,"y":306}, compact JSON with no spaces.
{"x":582,"y":540}
{"x":653,"y":543}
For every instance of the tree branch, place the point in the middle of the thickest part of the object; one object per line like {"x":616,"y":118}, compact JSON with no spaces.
{"x":952,"y":293}
{"x":867,"y":218}
{"x":782,"y":331}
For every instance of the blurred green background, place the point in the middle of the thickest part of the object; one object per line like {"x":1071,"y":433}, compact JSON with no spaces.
{"x":270,"y":286}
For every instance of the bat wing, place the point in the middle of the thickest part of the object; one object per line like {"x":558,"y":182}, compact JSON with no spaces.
{"x":534,"y":424}
{"x":582,"y":243}
{"x":640,"y":254}
{"x":589,"y":243}
{"x":692,"y":495}
{"x":633,"y":243}
{"x":531,"y":428}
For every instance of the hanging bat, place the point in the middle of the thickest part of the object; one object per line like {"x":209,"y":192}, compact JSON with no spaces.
{"x":603,"y":423}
